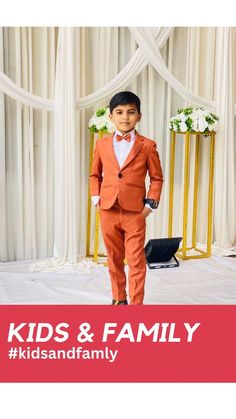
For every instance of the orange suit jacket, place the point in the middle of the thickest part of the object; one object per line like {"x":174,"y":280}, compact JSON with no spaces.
{"x":109,"y":180}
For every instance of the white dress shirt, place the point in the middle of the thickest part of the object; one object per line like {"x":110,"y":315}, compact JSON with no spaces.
{"x":121,"y":150}
{"x":123,"y":147}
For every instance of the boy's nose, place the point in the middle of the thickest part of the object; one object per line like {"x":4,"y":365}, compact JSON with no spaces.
{"x":126,"y":117}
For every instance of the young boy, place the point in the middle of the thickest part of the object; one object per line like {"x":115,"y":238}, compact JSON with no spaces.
{"x":117,"y":187}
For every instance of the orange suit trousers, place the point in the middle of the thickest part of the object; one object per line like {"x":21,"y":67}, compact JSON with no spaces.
{"x":124,"y":235}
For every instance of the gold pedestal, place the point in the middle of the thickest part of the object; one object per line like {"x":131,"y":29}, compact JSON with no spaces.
{"x":95,"y":255}
{"x":183,"y":252}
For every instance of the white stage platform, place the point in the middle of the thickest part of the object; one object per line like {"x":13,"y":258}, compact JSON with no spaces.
{"x":202,"y":281}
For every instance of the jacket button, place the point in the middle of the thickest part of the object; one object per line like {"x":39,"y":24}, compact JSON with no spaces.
{"x":120,"y":175}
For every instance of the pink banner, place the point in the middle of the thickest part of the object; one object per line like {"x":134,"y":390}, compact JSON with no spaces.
{"x":69,"y":343}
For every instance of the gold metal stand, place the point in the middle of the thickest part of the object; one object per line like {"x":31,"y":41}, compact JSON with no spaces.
{"x":95,"y":255}
{"x":182,"y":252}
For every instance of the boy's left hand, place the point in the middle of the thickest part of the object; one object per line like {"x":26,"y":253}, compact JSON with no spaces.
{"x":146,"y":211}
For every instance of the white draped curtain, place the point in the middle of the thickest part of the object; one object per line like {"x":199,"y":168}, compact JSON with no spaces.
{"x":51,"y":80}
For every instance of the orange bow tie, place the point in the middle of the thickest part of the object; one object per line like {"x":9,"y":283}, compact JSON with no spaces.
{"x":126,"y":137}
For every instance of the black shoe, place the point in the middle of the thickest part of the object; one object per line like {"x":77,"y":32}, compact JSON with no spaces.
{"x":119,"y":303}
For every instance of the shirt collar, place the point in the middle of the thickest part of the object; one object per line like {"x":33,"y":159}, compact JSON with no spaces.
{"x":132,"y":133}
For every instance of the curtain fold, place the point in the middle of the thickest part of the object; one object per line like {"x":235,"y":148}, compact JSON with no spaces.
{"x":225,"y":190}
{"x":66,"y":228}
{"x":3,"y":215}
{"x":121,"y":80}
{"x":26,"y":140}
{"x":146,"y":42}
{"x":18,"y":93}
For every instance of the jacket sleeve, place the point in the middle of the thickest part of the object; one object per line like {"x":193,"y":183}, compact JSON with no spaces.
{"x":95,"y":178}
{"x":155,"y":174}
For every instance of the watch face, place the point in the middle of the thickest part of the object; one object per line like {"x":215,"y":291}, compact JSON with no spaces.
{"x":154,"y":204}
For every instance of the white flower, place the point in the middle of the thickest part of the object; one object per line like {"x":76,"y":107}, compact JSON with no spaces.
{"x":202,"y":124}
{"x":195,"y":125}
{"x":194,"y":119}
{"x":92,"y":121}
{"x":100,"y":121}
{"x":183,"y":127}
{"x":182,"y":117}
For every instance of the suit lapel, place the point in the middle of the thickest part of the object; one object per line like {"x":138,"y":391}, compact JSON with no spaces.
{"x":138,"y":144}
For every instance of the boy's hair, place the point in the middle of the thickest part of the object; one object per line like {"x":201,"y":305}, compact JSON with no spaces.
{"x":124,"y":98}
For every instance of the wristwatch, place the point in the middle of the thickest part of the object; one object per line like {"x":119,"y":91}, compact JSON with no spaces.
{"x":153,"y":204}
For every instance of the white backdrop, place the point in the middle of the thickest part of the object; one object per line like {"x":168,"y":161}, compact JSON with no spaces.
{"x":44,"y":151}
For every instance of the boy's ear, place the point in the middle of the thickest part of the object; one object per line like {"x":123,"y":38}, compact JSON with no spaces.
{"x":140,"y":116}
{"x":110,"y":116}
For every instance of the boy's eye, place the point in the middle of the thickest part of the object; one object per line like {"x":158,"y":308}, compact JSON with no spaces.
{"x":120,"y":112}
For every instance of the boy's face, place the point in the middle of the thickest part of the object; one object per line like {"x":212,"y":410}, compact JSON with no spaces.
{"x":125,"y":117}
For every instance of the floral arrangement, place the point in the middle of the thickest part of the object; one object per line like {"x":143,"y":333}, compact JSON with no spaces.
{"x":194,"y":119}
{"x":100,"y":121}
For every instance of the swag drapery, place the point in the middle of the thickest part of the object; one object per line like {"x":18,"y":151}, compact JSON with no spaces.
{"x":44,"y":138}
